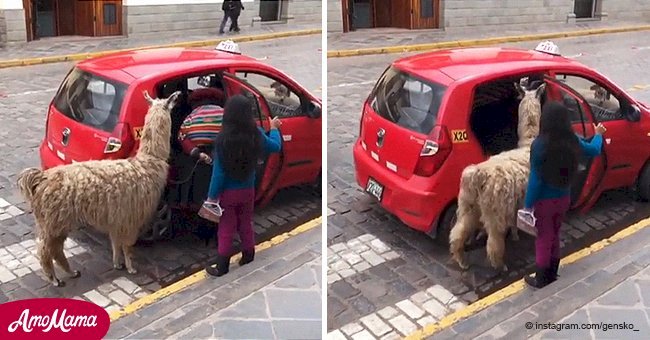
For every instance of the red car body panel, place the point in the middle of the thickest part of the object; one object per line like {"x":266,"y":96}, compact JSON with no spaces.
{"x":144,"y":70}
{"x":419,"y":201}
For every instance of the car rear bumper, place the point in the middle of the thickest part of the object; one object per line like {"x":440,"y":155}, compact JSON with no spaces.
{"x":414,"y":207}
{"x":49,"y":159}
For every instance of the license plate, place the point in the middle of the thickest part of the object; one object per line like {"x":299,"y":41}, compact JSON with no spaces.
{"x":374,"y":188}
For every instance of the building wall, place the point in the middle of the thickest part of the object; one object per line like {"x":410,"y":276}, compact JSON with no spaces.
{"x":472,"y":13}
{"x":627,"y":9}
{"x":334,"y":16}
{"x":154,"y":17}
{"x":12,"y":21}
{"x":306,"y":11}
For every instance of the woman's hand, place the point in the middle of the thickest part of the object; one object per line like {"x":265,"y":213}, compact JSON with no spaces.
{"x":205,"y":158}
{"x":275,"y":123}
{"x":600,"y":129}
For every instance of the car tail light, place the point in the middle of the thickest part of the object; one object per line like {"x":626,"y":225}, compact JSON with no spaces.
{"x":435,"y":151}
{"x":121,"y":141}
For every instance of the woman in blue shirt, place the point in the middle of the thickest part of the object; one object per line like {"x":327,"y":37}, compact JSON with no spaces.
{"x":554,"y":158}
{"x":237,"y":149}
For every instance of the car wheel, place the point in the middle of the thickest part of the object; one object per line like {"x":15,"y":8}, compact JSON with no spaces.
{"x":318,"y":184}
{"x":159,"y":227}
{"x":643,"y":186}
{"x":447,"y":222}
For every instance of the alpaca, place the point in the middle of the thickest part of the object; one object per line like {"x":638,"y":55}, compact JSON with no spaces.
{"x":115,"y":197}
{"x":491,"y":192}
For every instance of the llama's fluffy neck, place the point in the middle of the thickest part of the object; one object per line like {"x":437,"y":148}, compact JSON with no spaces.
{"x":156,"y":135}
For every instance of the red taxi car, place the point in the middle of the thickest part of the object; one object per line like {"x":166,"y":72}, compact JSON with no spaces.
{"x":431,"y":115}
{"x":98,"y":111}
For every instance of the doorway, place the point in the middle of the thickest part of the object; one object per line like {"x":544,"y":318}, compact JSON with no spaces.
{"x":271,"y":10}
{"x":52,"y":18}
{"x":584,"y":9}
{"x":409,"y":14}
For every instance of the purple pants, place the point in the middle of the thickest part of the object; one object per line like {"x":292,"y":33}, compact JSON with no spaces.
{"x":549,"y":213}
{"x":237,"y":217}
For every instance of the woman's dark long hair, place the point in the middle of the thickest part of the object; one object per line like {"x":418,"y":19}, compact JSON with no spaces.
{"x":561,"y":148}
{"x":239,"y":144}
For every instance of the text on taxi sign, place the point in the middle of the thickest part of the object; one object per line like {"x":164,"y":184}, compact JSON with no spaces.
{"x":459,"y":136}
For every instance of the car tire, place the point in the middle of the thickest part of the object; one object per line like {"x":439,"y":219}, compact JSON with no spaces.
{"x":318,"y":184}
{"x":159,"y":227}
{"x":445,"y":224}
{"x":643,"y":185}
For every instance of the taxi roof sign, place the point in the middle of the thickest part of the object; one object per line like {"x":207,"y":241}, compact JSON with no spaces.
{"x":228,"y":46}
{"x":548,"y":47}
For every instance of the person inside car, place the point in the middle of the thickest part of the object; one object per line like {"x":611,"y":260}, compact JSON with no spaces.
{"x":196,"y":135}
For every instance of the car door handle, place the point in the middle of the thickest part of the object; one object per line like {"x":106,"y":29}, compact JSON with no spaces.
{"x":287,"y":138}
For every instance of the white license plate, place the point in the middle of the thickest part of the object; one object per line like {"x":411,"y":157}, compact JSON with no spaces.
{"x":374,"y":188}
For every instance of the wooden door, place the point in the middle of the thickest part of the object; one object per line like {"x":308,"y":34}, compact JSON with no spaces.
{"x":65,"y":17}
{"x":426,"y":13}
{"x":29,"y":19}
{"x":401,"y":15}
{"x":383,"y":13}
{"x":84,"y":13}
{"x":108,"y":17}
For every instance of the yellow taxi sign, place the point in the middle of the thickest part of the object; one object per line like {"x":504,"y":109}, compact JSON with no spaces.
{"x":459,"y":136}
{"x":137,"y":133}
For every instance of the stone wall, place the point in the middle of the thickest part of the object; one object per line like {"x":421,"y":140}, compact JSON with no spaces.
{"x":627,"y":9}
{"x":306,"y":11}
{"x":12,"y":26}
{"x":188,"y":19}
{"x":334,"y":16}
{"x":503,"y":13}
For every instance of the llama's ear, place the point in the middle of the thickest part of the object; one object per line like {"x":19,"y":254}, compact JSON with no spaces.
{"x":172,"y":100}
{"x":520,"y":90}
{"x":540,"y":91}
{"x":148,"y":98}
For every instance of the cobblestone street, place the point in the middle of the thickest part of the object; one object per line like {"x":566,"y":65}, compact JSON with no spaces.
{"x":386,"y":280}
{"x":24,"y":97}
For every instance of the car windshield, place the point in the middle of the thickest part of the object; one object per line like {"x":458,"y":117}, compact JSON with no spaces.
{"x":90,"y":100}
{"x":407,"y":101}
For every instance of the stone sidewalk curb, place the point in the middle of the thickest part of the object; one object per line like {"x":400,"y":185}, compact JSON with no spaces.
{"x":198,"y":43}
{"x":481,"y":42}
{"x":202,"y":275}
{"x":519,"y":286}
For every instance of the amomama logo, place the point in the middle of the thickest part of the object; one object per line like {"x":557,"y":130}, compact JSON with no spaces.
{"x":52,"y":319}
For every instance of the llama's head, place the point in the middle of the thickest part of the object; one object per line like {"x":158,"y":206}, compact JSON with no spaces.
{"x":530,"y":111}
{"x":156,"y":132}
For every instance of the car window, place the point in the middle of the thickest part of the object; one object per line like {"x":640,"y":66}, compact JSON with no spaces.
{"x":604,"y":105}
{"x":283,"y":101}
{"x":90,"y":100}
{"x":407,"y":101}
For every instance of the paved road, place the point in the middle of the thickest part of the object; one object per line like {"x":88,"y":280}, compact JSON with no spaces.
{"x":385,"y":279}
{"x":24,"y":97}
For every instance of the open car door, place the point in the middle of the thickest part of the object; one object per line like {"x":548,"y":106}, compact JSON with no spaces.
{"x":591,"y":171}
{"x":268,"y":169}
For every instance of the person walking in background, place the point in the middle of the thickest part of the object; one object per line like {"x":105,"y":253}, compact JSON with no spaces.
{"x":231,"y":10}
{"x":237,"y":148}
{"x":554,"y":159}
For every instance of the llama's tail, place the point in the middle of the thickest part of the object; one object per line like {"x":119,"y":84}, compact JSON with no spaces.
{"x":472,"y":182}
{"x":28,"y":180}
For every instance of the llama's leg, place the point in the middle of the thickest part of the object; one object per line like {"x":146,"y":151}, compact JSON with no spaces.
{"x":496,"y":248}
{"x":128,"y":258}
{"x":61,"y":260}
{"x":117,"y":253}
{"x":45,"y":251}
{"x":466,"y":225}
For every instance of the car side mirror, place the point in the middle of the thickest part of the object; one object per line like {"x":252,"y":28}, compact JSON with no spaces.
{"x":313,"y":110}
{"x":633,"y":113}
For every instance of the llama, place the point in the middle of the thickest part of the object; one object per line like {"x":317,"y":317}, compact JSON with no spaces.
{"x":491,"y":192}
{"x":115,"y":197}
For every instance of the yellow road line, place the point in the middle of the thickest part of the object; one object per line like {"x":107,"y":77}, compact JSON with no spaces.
{"x":190,"y":280}
{"x":638,"y":88}
{"x":520,"y":285}
{"x":198,"y":43}
{"x":481,"y":42}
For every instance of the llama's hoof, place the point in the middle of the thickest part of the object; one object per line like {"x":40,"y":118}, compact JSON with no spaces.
{"x":118,"y":266}
{"x":132,"y":271}
{"x":58,"y":283}
{"x":75,"y":274}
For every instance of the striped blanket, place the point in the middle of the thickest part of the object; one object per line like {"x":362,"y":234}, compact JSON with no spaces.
{"x":202,"y":125}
